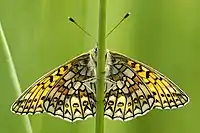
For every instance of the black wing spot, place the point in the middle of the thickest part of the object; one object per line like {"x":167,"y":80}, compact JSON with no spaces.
{"x":154,"y":93}
{"x":65,"y":67}
{"x":49,"y":99}
{"x":43,"y":97}
{"x":168,"y":95}
{"x":32,"y":107}
{"x":51,"y":78}
{"x":133,"y":64}
{"x":66,"y":105}
{"x":147,"y":74}
{"x":35,"y":100}
{"x":162,"y":95}
{"x":30,"y":100}
{"x":157,"y":101}
{"x":39,"y":106}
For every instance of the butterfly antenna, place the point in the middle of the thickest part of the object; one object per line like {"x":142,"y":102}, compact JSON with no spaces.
{"x":74,"y":22}
{"x":125,"y":17}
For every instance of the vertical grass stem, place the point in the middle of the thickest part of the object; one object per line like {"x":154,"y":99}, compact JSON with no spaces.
{"x":13,"y":75}
{"x":101,"y":67}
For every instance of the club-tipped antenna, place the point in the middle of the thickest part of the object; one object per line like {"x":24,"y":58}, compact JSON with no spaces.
{"x":74,"y":22}
{"x":125,"y":17}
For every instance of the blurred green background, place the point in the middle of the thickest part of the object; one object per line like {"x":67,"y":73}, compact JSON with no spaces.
{"x":162,"y":33}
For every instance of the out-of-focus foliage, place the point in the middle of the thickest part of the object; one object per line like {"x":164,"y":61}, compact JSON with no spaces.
{"x":163,"y":34}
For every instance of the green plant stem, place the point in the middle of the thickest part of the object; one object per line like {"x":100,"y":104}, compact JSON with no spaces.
{"x":13,"y":75}
{"x":101,"y":67}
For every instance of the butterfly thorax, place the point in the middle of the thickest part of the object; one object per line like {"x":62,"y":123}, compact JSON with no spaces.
{"x":112,"y":71}
{"x":108,"y":61}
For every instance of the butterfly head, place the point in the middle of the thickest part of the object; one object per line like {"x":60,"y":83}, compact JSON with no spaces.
{"x":95,"y":50}
{"x":94,"y":53}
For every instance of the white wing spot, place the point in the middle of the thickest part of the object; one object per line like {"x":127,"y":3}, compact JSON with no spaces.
{"x":69,"y":75}
{"x":129,"y":73}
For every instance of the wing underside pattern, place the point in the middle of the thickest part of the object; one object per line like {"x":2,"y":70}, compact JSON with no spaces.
{"x":131,"y":89}
{"x":61,"y":92}
{"x":129,"y":97}
{"x":167,"y":94}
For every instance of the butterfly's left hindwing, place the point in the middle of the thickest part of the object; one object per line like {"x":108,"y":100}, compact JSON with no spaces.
{"x":61,"y":92}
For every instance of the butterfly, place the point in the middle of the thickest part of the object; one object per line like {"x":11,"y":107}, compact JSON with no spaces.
{"x":131,"y":89}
